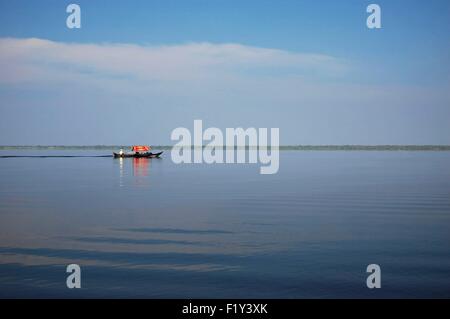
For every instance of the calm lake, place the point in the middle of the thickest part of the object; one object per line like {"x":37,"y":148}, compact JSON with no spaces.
{"x":151,"y":228}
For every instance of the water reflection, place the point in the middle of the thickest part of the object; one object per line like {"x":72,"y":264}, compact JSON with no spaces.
{"x":138,"y":169}
{"x":120,"y":172}
{"x":141,"y":166}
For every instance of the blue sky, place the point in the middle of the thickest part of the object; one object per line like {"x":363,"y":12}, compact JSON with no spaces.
{"x":311,"y":68}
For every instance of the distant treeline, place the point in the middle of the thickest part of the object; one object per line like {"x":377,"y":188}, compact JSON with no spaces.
{"x":367,"y":147}
{"x":283,"y":148}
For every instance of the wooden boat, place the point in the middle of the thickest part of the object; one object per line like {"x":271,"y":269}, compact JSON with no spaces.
{"x":137,"y":155}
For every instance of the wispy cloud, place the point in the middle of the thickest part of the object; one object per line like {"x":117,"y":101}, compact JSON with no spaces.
{"x":313,"y":98}
{"x":28,"y":60}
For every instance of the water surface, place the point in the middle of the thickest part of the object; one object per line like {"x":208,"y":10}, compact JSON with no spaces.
{"x":150,"y":228}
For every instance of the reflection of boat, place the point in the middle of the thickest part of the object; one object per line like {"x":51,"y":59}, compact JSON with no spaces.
{"x":141,"y":166}
{"x":138,"y":155}
{"x":139,"y":152}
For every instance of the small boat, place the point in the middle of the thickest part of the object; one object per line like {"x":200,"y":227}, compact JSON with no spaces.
{"x":137,"y":155}
{"x":139,"y":152}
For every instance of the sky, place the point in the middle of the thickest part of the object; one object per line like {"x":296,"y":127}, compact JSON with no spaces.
{"x":136,"y":70}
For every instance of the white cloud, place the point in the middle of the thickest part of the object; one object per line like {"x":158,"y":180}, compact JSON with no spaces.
{"x":28,"y":60}
{"x":312,"y":98}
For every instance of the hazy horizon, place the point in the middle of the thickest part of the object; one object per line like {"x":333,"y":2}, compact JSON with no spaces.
{"x":426,"y":147}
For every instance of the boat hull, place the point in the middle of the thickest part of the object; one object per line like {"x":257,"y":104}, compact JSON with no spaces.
{"x":141,"y":155}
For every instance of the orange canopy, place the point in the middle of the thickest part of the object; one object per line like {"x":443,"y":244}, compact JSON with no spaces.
{"x":141,"y":148}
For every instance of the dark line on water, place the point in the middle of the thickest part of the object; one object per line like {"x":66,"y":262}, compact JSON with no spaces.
{"x":116,"y":240}
{"x":51,"y":156}
{"x":174,"y":231}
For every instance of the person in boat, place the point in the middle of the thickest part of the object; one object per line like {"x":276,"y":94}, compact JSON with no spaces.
{"x":137,"y":149}
{"x":121,"y":152}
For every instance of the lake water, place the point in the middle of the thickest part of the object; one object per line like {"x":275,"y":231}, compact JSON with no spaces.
{"x":151,"y":228}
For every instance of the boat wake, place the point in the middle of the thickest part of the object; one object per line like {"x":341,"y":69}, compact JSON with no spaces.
{"x":51,"y":156}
